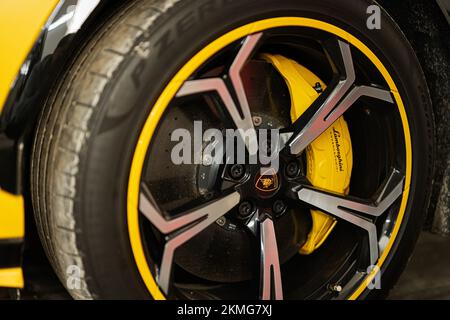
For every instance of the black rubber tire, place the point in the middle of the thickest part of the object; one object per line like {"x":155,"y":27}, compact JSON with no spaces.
{"x":89,"y":127}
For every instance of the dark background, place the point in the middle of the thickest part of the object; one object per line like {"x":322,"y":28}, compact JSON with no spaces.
{"x":427,"y":275}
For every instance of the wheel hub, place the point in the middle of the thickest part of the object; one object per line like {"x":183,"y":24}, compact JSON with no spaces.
{"x":267,"y":183}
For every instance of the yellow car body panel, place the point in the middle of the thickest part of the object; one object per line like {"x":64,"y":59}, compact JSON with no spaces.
{"x":11,"y":278}
{"x":12,"y":222}
{"x":21,"y":23}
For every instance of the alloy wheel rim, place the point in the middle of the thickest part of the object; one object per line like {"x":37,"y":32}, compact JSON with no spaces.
{"x":342,"y":93}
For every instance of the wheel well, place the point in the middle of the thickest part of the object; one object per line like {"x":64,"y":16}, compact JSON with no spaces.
{"x":424,"y":24}
{"x":18,"y":122}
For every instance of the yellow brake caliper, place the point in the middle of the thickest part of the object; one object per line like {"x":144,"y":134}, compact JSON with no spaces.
{"x":329,"y":158}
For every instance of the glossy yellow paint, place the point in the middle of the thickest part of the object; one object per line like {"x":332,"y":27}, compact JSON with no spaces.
{"x":12,"y":226}
{"x":11,"y":278}
{"x":174,"y":85}
{"x":21,"y":22}
{"x":12,"y":221}
{"x":329,"y":158}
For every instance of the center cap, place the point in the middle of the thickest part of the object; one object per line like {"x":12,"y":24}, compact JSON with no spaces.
{"x":267,"y":183}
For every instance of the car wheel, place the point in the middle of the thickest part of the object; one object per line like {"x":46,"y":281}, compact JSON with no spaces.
{"x":339,"y":218}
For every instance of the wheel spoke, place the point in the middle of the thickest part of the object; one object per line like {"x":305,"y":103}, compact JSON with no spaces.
{"x":356,"y":211}
{"x":238,"y":64}
{"x":334,"y":102}
{"x":180,"y":230}
{"x":270,"y":273}
{"x":241,"y":117}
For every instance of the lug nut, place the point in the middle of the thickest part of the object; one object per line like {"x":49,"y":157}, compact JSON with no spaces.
{"x":278,"y":207}
{"x":292,"y":169}
{"x":245,"y":209}
{"x":237,"y":171}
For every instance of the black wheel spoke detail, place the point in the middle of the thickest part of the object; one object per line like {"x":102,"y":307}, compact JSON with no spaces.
{"x":337,"y":98}
{"x":242,"y":116}
{"x":236,"y":68}
{"x":270,"y":273}
{"x":183,"y":228}
{"x":357,"y":211}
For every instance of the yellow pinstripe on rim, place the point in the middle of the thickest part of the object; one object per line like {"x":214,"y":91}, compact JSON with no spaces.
{"x":183,"y":74}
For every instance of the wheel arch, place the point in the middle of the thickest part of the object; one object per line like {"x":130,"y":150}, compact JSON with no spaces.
{"x":57,"y":43}
{"x":425,"y":25}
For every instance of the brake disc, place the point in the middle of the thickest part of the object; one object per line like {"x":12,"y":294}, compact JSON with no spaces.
{"x":329,"y":158}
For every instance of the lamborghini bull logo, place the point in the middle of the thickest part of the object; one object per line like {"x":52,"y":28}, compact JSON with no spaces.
{"x":268,"y":181}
